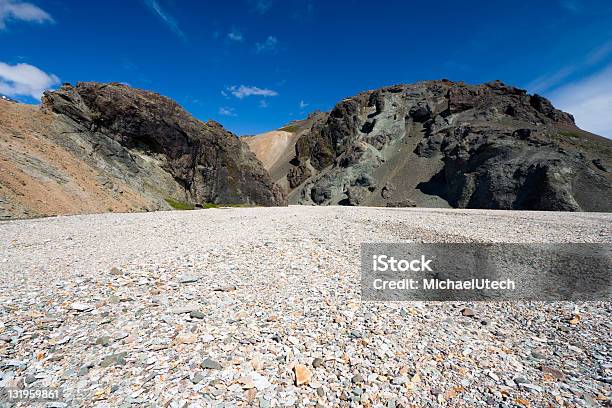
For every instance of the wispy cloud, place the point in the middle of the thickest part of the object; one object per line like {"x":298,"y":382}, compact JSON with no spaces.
{"x":25,"y":80}
{"x":268,"y":46}
{"x":166,"y":18}
{"x":15,"y":10}
{"x":263,"y":103}
{"x":227,"y":111}
{"x":573,"y":6}
{"x":303,"y":104}
{"x":549,"y":80}
{"x":589,"y":100}
{"x":261,"y":6}
{"x":244,"y":91}
{"x":235,"y":35}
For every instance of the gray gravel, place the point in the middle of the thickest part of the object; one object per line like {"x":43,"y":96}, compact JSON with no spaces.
{"x":224,"y":307}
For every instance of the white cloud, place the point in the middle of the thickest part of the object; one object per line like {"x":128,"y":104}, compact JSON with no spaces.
{"x":243,"y":91}
{"x":589,"y":100}
{"x":263,"y":103}
{"x":269,"y":45}
{"x":303,"y":104}
{"x":227,"y":111}
{"x":235,"y":35}
{"x":15,"y":10}
{"x":25,"y":80}
{"x":166,"y":18}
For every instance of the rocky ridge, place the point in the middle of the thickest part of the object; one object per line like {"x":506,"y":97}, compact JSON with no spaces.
{"x":448,"y":144}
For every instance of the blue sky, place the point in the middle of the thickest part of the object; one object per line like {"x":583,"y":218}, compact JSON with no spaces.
{"x":254,"y":65}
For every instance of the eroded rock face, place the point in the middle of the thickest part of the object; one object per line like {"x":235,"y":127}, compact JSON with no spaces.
{"x":149,"y":140}
{"x":441,"y":143}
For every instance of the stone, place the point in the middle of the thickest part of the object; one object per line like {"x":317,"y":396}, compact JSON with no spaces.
{"x":186,"y":338}
{"x":194,"y":307}
{"x":530,"y":387}
{"x":302,"y":374}
{"x":466,"y":311}
{"x":196,"y":314}
{"x":317,"y":362}
{"x":114,"y":359}
{"x":81,"y":307}
{"x":120,"y":335}
{"x":211,"y":364}
{"x":103,"y":341}
{"x":197,"y":377}
{"x":260,"y":382}
{"x":357,"y":379}
{"x":188,"y":279}
{"x":553,"y":372}
{"x":229,"y":288}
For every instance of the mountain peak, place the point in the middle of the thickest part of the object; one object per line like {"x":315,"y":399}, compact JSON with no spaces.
{"x":446,"y":144}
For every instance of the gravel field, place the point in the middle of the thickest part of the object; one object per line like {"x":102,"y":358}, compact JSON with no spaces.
{"x":261,"y":307}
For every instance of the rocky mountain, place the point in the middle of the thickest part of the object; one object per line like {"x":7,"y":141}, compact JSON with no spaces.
{"x":109,"y":147}
{"x":443,"y":144}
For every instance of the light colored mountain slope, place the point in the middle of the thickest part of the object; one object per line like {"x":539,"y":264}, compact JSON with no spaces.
{"x":38,"y":176}
{"x":275,"y":150}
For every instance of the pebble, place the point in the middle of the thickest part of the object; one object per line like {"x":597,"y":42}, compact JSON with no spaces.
{"x":556,"y":374}
{"x":103,"y":341}
{"x":189,"y":279}
{"x":211,"y":364}
{"x":302,"y":374}
{"x":81,"y":307}
{"x":114,"y":359}
{"x":197,"y":315}
{"x":197,"y":377}
{"x":530,"y":387}
{"x":260,"y":382}
{"x":229,"y":288}
{"x":357,"y":379}
{"x":466,"y":311}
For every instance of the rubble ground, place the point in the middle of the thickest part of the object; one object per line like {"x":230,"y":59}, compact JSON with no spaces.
{"x":261,"y":307}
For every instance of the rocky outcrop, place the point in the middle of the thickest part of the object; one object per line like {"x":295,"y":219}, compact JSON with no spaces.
{"x":442,"y":143}
{"x":209,"y":163}
{"x":134,"y":143}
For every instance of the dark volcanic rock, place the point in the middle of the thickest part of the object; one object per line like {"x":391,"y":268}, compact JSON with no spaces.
{"x":137,"y":129}
{"x":441,"y":143}
{"x":297,"y":175}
